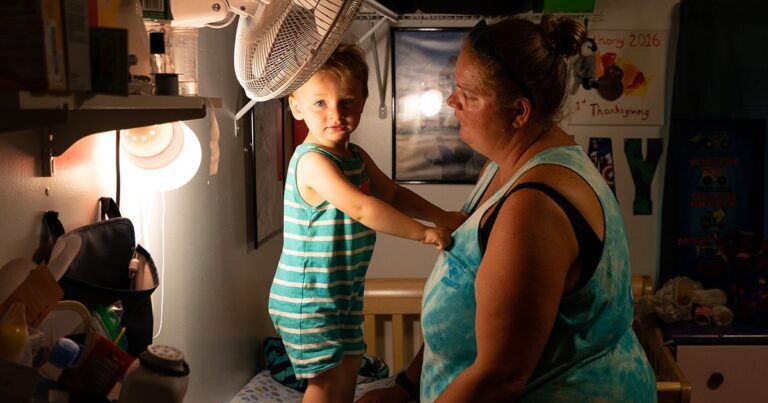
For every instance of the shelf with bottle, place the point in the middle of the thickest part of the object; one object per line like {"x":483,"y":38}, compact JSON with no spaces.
{"x":67,"y":117}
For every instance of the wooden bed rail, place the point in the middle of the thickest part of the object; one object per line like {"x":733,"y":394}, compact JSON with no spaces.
{"x":671,"y":384}
{"x":400,"y":298}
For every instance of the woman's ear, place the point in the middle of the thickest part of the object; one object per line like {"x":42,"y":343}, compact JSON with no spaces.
{"x":294,"y":105}
{"x":522,"y":110}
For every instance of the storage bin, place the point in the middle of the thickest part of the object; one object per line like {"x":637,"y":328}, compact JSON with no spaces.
{"x":564,"y":6}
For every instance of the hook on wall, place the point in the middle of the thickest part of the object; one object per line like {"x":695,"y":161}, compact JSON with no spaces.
{"x":48,"y":162}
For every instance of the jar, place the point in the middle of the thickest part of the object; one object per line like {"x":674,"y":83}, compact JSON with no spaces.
{"x":184,"y":54}
{"x":160,"y":375}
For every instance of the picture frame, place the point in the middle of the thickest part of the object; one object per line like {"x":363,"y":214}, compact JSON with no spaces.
{"x":426,"y":147}
{"x":714,"y":185}
{"x":268,"y":146}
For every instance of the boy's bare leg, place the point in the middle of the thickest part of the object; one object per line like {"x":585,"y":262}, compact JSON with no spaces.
{"x":351,"y":367}
{"x":336,"y":385}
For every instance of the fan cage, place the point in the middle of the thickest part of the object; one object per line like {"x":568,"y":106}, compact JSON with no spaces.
{"x":277,"y":61}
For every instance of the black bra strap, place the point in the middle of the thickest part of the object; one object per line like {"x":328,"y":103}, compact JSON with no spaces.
{"x":590,"y":245}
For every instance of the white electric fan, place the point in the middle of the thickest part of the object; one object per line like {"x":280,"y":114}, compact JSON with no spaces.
{"x":284,"y":42}
{"x":279,"y":43}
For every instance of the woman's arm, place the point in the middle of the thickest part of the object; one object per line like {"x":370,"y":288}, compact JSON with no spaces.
{"x":395,"y":393}
{"x":406,"y":200}
{"x":518,"y":290}
{"x":316,"y":173}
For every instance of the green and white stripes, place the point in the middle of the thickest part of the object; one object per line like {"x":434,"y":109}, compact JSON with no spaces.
{"x":316,"y":297}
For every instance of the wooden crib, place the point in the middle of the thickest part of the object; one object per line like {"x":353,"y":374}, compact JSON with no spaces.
{"x":399,"y":301}
{"x":394,"y":304}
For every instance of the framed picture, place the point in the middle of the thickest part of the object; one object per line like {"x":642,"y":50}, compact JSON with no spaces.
{"x":268,"y":147}
{"x":715,"y":185}
{"x":621,"y":81}
{"x":426,"y":144}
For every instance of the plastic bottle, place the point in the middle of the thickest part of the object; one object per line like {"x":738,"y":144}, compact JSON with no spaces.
{"x":13,"y":333}
{"x":166,"y":81}
{"x":160,"y":375}
{"x":184,"y":55}
{"x":157,"y":51}
{"x":63,"y":355}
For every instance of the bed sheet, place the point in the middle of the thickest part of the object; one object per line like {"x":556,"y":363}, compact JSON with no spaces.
{"x":262,"y":388}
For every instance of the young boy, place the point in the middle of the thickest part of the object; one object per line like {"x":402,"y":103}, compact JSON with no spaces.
{"x":335,"y":200}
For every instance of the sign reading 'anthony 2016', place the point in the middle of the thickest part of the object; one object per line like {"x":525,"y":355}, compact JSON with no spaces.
{"x":618,"y":79}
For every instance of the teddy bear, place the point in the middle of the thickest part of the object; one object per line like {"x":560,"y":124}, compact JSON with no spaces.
{"x":681,"y":299}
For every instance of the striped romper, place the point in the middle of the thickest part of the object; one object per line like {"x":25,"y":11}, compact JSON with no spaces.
{"x":316,"y":298}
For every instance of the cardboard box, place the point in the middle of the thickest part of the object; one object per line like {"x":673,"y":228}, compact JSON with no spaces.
{"x":100,"y":366}
{"x":156,"y":10}
{"x":17,"y":382}
{"x":39,"y":293}
{"x":103,"y":13}
{"x":564,"y":6}
{"x":76,"y":44}
{"x":32,"y":43}
{"x":109,"y":61}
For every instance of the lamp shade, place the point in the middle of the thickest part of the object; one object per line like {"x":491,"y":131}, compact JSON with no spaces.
{"x":161,"y":157}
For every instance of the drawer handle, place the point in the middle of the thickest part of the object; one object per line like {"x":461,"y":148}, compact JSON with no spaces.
{"x":715,"y":380}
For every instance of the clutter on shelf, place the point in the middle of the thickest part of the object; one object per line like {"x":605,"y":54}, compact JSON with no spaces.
{"x":681,"y":299}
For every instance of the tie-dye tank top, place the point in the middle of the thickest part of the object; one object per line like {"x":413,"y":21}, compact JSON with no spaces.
{"x":592,"y":353}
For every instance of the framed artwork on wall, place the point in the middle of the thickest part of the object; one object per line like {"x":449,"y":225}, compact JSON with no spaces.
{"x":426,"y":144}
{"x":619,"y":79}
{"x":715,"y":185}
{"x":268,"y":148}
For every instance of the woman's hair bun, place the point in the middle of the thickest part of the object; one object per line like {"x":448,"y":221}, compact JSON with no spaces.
{"x":564,"y":35}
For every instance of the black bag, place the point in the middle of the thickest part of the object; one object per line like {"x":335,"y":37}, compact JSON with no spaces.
{"x":98,"y":273}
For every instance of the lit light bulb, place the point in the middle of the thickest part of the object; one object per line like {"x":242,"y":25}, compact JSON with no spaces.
{"x":431,"y":102}
{"x":167,"y":157}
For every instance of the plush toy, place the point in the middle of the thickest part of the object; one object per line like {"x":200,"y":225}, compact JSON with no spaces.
{"x":681,"y":299}
{"x":584,"y":67}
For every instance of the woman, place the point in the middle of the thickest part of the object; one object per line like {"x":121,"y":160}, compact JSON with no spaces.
{"x":533,"y":302}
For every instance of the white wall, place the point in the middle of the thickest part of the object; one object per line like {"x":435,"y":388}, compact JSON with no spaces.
{"x":399,"y":258}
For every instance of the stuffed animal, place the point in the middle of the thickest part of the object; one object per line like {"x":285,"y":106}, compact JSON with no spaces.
{"x":584,"y":67}
{"x":681,"y":299}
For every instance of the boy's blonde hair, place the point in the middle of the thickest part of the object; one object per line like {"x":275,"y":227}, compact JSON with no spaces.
{"x":347,"y":62}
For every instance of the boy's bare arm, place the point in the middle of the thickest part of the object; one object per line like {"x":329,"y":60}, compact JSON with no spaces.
{"x":317,"y":173}
{"x":408,"y":201}
{"x":416,"y":206}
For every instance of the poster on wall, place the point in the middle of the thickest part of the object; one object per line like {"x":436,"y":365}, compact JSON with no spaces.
{"x":426,"y":145}
{"x":716,"y":175}
{"x":601,"y":153}
{"x":618,"y":79}
{"x":643,"y":169}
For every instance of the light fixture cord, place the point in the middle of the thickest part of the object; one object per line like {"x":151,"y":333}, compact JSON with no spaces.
{"x":117,"y":168}
{"x":162,"y":264}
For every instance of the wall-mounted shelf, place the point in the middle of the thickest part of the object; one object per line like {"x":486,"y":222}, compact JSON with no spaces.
{"x":69,"y":117}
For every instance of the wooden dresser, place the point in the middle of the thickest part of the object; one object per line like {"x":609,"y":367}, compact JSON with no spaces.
{"x":722,"y":364}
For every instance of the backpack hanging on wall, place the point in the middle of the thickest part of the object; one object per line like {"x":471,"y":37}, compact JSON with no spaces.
{"x":92,"y":265}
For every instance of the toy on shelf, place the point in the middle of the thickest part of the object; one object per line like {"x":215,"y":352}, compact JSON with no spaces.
{"x":681,"y":299}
